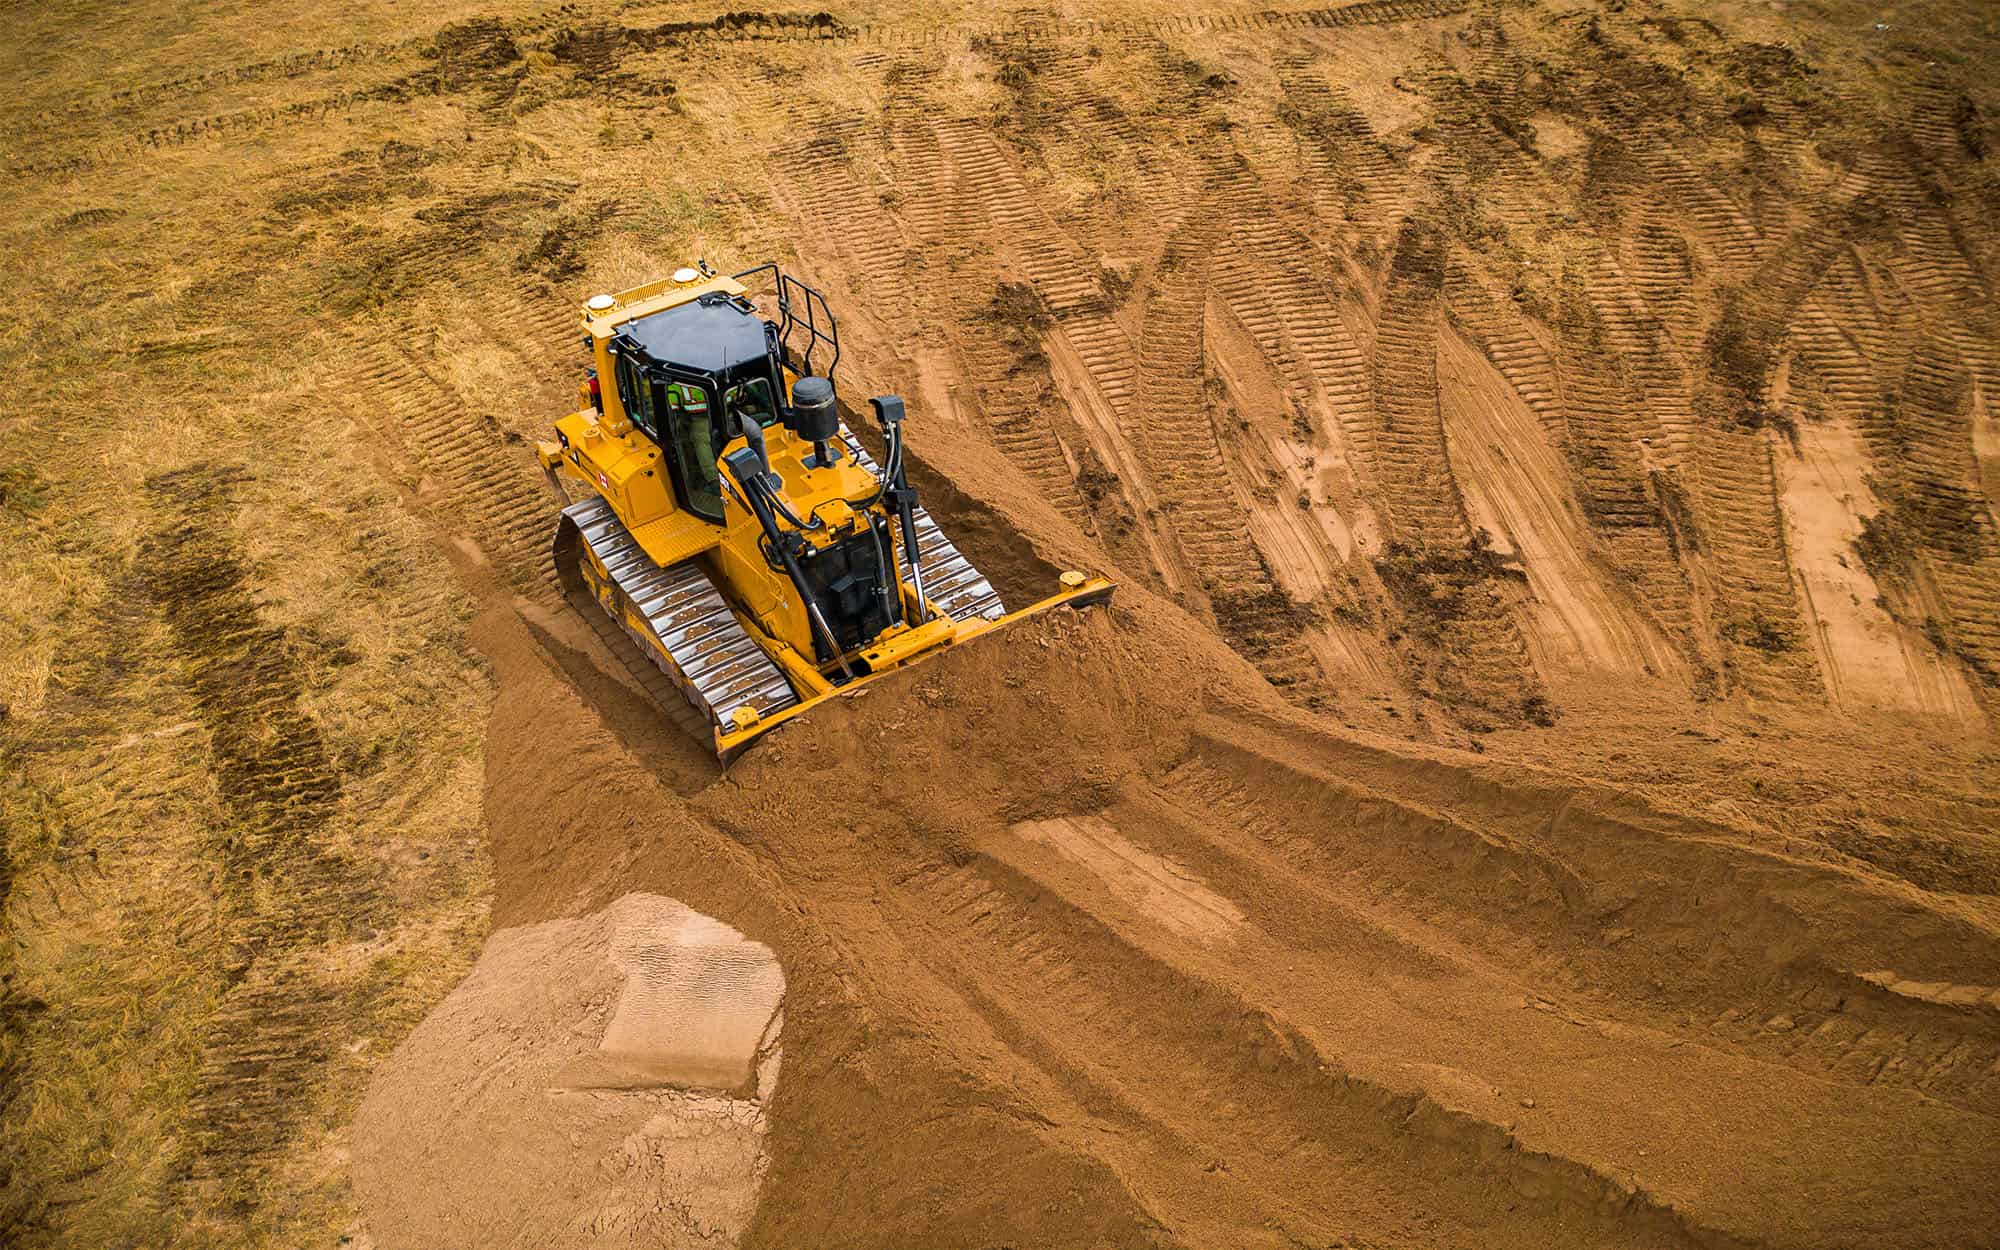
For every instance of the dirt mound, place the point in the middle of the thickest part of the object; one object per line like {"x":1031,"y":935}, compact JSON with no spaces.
{"x":592,"y":1082}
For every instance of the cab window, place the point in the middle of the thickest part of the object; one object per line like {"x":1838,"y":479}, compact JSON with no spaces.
{"x":686,"y":426}
{"x":749,"y":401}
{"x":635,"y":397}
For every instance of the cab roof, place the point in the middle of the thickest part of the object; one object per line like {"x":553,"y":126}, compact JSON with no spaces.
{"x":711,"y":334}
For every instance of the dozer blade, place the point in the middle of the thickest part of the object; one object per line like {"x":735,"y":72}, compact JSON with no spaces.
{"x":933,"y":639}
{"x":678,"y":630}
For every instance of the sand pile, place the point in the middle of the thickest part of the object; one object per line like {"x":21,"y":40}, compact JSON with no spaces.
{"x":594,"y":1082}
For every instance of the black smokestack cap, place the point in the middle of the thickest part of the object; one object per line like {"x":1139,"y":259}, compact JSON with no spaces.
{"x":813,"y":414}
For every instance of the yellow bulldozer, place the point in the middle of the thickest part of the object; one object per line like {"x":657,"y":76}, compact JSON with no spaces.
{"x":733,"y":525}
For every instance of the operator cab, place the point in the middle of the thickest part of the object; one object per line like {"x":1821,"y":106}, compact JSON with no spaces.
{"x":690,"y":376}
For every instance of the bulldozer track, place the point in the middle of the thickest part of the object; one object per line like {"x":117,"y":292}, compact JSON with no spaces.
{"x":690,"y":633}
{"x":1335,"y":363}
{"x":951,"y":583}
{"x":931,"y":208}
{"x":829,"y":153}
{"x":1415,"y":470}
{"x":1601,"y":431}
{"x":493,"y":489}
{"x":692,"y":656}
{"x":1336,"y":147}
{"x":267,"y":1047}
{"x":1063,"y":82}
{"x":1715,"y":219}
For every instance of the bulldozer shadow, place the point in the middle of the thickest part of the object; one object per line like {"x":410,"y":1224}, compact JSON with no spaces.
{"x":604,"y":669}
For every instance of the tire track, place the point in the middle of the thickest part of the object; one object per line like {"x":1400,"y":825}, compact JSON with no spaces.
{"x":1713,"y":218}
{"x":1659,"y":267}
{"x":1937,"y":503}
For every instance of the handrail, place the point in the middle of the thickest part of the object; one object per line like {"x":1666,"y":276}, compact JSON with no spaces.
{"x":795,"y":298}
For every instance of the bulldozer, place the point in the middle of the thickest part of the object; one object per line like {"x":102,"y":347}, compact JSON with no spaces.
{"x":730,"y":523}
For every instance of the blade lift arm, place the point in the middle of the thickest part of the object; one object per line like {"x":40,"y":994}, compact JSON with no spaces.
{"x":896,"y":490}
{"x":762,"y":493}
{"x":751,"y":468}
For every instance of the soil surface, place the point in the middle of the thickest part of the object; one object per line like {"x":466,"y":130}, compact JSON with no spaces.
{"x":573,"y":1090}
{"x":1534,"y":786}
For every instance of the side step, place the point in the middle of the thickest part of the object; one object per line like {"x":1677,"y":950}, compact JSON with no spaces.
{"x":951,"y":583}
{"x":675,"y":615}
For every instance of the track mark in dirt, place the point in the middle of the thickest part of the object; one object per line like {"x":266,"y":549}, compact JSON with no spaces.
{"x":1510,"y":902}
{"x":1445,"y":577}
{"x":494,"y":488}
{"x":1516,"y":486}
{"x":1509,"y":342}
{"x":1000,"y":342}
{"x":1347,"y":168}
{"x":1063,"y":275}
{"x":823,"y":165}
{"x":286,"y":889}
{"x":1712,"y":216}
{"x":1297,"y":1140}
{"x":1636,"y":505}
{"x":1164,"y":892}
{"x":1175,"y":427}
{"x":1270,"y":278}
{"x":1757,"y":608}
{"x":1632,"y":331}
{"x":1867,"y":656}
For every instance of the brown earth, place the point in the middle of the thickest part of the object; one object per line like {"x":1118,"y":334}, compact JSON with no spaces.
{"x":1535,"y":785}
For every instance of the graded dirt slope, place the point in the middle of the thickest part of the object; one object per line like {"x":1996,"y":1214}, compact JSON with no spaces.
{"x":1534,"y":786}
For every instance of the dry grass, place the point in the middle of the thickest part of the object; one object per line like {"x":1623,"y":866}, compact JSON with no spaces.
{"x":126,"y":944}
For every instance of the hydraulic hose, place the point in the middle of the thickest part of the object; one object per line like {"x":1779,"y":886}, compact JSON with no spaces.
{"x":747,"y":467}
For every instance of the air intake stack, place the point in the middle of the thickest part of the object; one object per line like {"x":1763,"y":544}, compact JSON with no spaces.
{"x":814,"y":415}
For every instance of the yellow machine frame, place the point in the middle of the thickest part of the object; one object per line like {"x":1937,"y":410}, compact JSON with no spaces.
{"x":605,"y":452}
